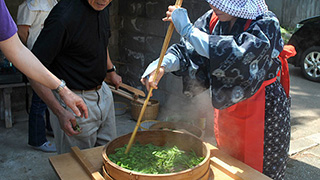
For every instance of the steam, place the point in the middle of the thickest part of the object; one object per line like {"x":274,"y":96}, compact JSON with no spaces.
{"x":179,"y":108}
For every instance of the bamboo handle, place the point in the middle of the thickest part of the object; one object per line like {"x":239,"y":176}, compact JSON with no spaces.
{"x":163,"y":52}
{"x":129,"y":88}
{"x":132,"y":89}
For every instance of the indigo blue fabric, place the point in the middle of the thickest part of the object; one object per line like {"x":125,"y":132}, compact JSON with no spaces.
{"x":37,"y":122}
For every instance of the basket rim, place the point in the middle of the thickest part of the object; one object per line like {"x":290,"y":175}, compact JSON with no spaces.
{"x":156,"y":103}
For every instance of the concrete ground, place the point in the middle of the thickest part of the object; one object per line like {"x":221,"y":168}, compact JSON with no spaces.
{"x":20,"y":161}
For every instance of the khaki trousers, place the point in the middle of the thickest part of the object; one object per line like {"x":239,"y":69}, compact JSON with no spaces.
{"x":98,"y":129}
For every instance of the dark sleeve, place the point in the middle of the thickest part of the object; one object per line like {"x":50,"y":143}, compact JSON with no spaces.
{"x":193,"y":67}
{"x":52,"y":40}
{"x":240,"y":64}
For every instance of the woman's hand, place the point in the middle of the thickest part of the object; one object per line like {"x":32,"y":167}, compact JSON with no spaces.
{"x":169,"y":13}
{"x":148,"y":81}
{"x":74,"y":102}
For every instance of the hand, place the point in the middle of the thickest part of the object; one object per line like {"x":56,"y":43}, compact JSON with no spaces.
{"x":114,"y":79}
{"x":74,"y":102}
{"x":148,"y":82}
{"x":169,"y":13}
{"x":67,"y":121}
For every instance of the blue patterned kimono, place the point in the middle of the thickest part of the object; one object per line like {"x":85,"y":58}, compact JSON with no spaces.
{"x":240,"y":61}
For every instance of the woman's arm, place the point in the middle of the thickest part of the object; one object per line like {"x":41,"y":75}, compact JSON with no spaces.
{"x":26,"y":62}
{"x":22,"y":58}
{"x":198,"y":39}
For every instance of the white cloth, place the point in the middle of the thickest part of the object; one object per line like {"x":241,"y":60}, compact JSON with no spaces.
{"x":34,"y":17}
{"x":247,"y":9}
{"x":41,"y":5}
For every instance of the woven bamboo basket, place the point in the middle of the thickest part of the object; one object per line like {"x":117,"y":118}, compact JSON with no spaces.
{"x":151,"y":111}
{"x":160,"y":138}
{"x":120,"y":108}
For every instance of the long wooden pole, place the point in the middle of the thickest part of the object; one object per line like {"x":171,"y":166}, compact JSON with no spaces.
{"x":163,"y":52}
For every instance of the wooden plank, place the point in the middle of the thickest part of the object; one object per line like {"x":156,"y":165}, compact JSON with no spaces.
{"x":225,"y":168}
{"x":1,"y":105}
{"x":86,"y":164}
{"x":218,"y":174}
{"x":137,"y":92}
{"x":7,"y":107}
{"x":235,"y":168}
{"x":13,"y":85}
{"x":126,"y":95}
{"x":67,"y":167}
{"x":5,"y":102}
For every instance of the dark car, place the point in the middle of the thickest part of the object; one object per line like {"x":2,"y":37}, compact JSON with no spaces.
{"x":306,"y":40}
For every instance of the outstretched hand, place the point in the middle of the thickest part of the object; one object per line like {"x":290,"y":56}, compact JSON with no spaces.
{"x":74,"y":102}
{"x":149,"y":82}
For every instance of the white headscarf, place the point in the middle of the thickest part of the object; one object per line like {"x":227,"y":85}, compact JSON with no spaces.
{"x":41,"y":5}
{"x":247,"y":9}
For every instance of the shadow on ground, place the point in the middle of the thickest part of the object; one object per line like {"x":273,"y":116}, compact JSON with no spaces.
{"x":300,"y":170}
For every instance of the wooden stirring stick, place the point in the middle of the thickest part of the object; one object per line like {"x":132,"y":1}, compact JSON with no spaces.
{"x":163,"y":52}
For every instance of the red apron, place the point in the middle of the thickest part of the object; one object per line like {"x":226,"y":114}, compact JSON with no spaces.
{"x":239,"y":129}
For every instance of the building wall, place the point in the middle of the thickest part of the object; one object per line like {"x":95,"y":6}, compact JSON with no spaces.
{"x":290,"y":12}
{"x":141,"y":36}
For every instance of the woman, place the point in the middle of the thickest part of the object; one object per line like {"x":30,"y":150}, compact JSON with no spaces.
{"x":233,"y":49}
{"x":22,"y":58}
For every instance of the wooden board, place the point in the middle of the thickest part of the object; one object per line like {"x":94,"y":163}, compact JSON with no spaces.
{"x":67,"y":167}
{"x":233,"y":167}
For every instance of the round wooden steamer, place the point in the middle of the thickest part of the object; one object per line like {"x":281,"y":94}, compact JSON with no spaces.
{"x":182,"y":140}
{"x":207,"y":175}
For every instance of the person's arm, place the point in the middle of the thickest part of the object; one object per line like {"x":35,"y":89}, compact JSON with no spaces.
{"x":23,"y":32}
{"x":25,"y":19}
{"x":198,"y":39}
{"x":22,"y":58}
{"x":112,"y":77}
{"x":169,"y":63}
{"x":66,"y":118}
